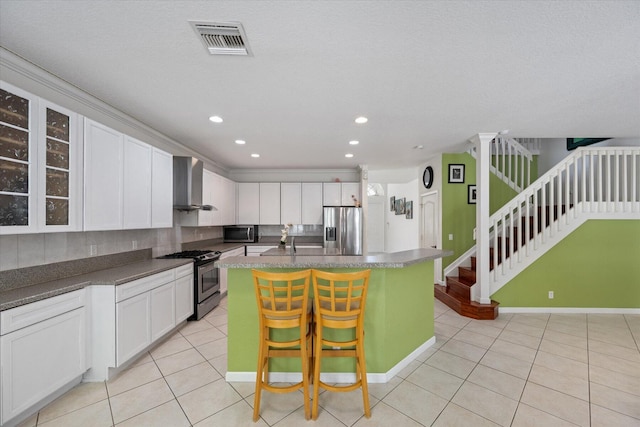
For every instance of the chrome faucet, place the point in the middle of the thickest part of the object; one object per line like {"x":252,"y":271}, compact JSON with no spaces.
{"x":293,"y":245}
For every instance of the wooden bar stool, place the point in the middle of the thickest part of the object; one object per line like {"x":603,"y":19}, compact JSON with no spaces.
{"x":339,"y":302}
{"x":283,"y":304}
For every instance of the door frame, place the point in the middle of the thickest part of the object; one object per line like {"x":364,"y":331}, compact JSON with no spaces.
{"x":433,"y":196}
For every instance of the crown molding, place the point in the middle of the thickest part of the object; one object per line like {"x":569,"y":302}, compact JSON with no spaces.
{"x":37,"y":74}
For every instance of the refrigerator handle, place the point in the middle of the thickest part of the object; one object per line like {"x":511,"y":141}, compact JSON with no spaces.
{"x":330,"y":234}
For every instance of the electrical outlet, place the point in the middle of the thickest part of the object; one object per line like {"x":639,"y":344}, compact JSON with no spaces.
{"x":450,"y":236}
{"x":93,"y":250}
{"x":134,"y":244}
{"x":550,"y":294}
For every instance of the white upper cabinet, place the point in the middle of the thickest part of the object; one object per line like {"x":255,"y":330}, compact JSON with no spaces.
{"x":332,"y":194}
{"x":128,"y":183}
{"x":270,"y":203}
{"x":137,"y":184}
{"x":103,"y":166}
{"x":340,"y":193}
{"x":60,"y":164}
{"x":228,"y":216}
{"x":224,"y":199}
{"x":218,"y":192}
{"x":311,"y":203}
{"x":41,"y":165}
{"x":161,"y":189}
{"x":249,"y":203}
{"x":291,"y":203}
{"x":258,"y":203}
{"x":349,"y":191}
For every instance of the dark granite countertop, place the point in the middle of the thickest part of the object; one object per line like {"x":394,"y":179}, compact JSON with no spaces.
{"x":111,"y":276}
{"x":380,"y":260}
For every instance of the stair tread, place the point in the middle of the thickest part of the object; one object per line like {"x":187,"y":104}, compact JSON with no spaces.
{"x":466,"y":307}
{"x":465,"y":300}
{"x":460,"y":281}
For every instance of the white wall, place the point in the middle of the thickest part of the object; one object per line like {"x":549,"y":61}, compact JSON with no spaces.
{"x":553,"y":150}
{"x":402,"y":234}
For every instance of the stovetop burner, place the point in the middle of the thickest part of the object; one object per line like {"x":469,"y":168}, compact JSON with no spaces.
{"x":198,"y":255}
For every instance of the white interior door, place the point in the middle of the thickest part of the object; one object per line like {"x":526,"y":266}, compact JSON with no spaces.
{"x":375,"y":224}
{"x":430,"y":236}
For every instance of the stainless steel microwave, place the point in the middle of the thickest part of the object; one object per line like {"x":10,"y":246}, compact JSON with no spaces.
{"x":240,"y":233}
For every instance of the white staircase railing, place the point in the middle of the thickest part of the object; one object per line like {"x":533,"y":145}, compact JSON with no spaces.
{"x":531,"y":144}
{"x":591,"y":183}
{"x":511,"y":161}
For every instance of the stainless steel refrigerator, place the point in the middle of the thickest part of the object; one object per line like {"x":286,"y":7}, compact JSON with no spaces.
{"x":343,"y":229}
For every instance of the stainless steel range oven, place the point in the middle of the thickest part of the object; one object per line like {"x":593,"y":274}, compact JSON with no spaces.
{"x":206,"y":280}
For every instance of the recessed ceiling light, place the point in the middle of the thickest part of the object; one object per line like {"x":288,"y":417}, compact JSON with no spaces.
{"x":256,"y":155}
{"x":354,"y":142}
{"x":418,"y":147}
{"x":240,"y":142}
{"x":216,"y":119}
{"x":360,"y":120}
{"x":348,"y":155}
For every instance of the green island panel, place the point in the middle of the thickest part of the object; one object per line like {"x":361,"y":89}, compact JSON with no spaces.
{"x":398,"y":319}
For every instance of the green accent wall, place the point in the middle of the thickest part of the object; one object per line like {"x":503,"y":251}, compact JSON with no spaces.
{"x":398,"y":319}
{"x":459,"y":217}
{"x":598,"y":265}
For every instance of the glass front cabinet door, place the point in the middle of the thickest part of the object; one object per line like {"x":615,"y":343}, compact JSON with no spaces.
{"x":40,"y":165}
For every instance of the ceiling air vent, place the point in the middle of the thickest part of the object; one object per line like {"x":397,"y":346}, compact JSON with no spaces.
{"x":222,"y":38}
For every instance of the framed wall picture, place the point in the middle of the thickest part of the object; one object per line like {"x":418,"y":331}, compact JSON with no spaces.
{"x":408,"y":207}
{"x":471,"y":194}
{"x":573,"y":143}
{"x":400,"y":208}
{"x":456,"y":174}
{"x":392,"y":203}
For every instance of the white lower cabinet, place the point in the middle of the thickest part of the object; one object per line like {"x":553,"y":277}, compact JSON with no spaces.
{"x":43,"y":347}
{"x":224,"y":271}
{"x":184,"y":296}
{"x":163,"y":310}
{"x":128,"y":319}
{"x":133,"y":326}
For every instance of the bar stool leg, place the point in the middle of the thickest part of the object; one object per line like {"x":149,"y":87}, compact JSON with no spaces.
{"x":317,"y":343}
{"x":362,"y":368}
{"x":262,"y":360}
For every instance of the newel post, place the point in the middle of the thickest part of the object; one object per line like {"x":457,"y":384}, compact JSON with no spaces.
{"x":482,"y":142}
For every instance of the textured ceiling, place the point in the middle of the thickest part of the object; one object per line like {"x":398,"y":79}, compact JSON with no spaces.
{"x":431,"y":73}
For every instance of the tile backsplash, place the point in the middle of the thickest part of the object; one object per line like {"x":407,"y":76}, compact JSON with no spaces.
{"x":27,"y":250}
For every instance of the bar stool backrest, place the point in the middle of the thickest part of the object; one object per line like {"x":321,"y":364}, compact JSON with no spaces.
{"x":283,"y":298}
{"x":340,"y":298}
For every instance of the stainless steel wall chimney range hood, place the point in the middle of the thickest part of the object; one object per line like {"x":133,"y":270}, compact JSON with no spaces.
{"x":187,"y":184}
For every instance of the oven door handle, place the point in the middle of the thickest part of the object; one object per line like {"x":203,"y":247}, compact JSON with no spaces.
{"x":248,"y":234}
{"x":206,"y":267}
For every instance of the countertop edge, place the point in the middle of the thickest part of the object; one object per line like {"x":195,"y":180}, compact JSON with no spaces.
{"x":114,"y":276}
{"x":393,"y":260}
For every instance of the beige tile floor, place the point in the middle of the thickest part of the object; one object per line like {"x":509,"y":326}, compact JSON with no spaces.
{"x":518,"y":370}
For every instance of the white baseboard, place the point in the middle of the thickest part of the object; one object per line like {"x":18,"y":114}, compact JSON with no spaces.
{"x":336,"y":377}
{"x":569,"y":310}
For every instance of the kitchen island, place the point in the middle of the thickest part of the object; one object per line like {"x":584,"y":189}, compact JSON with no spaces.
{"x":398,"y":319}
